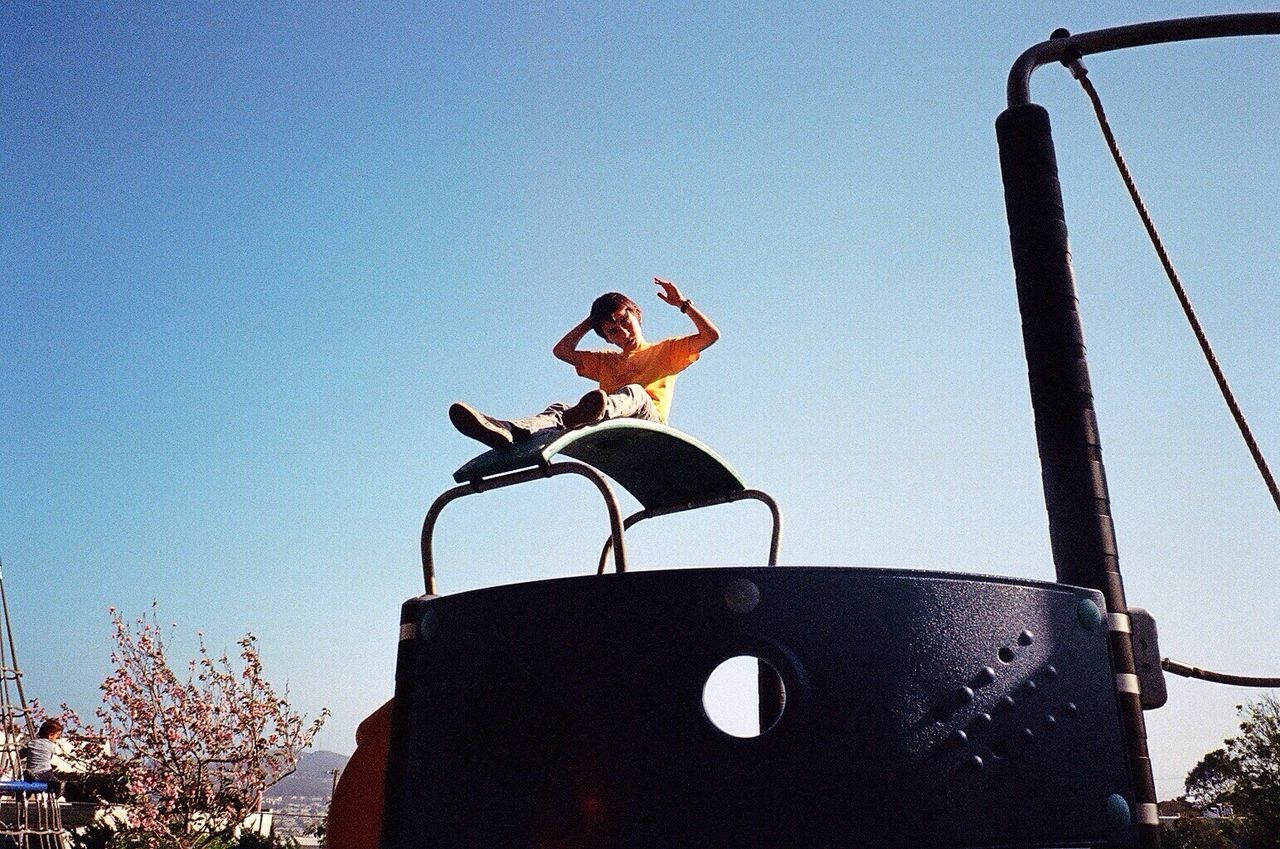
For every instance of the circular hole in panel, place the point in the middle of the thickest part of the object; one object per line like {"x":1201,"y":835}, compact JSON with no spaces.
{"x":1005,"y":654}
{"x":744,"y":696}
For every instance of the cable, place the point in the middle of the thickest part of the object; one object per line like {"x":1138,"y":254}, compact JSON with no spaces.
{"x":1216,"y":677}
{"x":1080,"y":73}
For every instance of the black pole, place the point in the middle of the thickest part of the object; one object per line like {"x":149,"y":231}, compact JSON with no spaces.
{"x":1075,"y":487}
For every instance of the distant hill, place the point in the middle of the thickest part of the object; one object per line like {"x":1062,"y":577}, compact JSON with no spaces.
{"x":312,"y":778}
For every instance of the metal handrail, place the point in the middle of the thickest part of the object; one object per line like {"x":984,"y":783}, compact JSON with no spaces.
{"x":500,"y":481}
{"x":1063,"y":46}
{"x":775,"y":539}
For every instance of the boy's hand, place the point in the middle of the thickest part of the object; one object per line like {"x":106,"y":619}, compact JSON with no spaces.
{"x":669,"y":292}
{"x":707,"y":333}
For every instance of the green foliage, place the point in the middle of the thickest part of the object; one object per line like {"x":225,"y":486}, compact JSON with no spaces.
{"x":104,"y":835}
{"x":1194,"y":833}
{"x":1243,"y":777}
{"x":253,"y":840}
{"x":1211,"y":781}
{"x":1256,"y":753}
{"x":103,"y":788}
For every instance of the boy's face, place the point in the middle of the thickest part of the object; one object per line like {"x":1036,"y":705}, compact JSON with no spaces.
{"x":623,"y":329}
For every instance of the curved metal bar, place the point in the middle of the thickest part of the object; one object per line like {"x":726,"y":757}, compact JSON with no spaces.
{"x":775,"y":539}
{"x":608,"y":543}
{"x":1188,"y":671}
{"x":1068,"y":47}
{"x":524,"y":476}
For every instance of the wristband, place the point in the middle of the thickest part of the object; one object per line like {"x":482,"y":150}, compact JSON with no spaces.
{"x":684,"y":306}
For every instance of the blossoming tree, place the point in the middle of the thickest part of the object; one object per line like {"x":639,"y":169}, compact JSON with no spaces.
{"x":195,"y":752}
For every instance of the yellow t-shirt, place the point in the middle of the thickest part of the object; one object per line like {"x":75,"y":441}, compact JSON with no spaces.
{"x":653,"y":366}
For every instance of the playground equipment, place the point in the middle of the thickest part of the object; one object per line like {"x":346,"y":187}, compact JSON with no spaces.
{"x":914,"y":708}
{"x":917,"y":707}
{"x":30,"y":816}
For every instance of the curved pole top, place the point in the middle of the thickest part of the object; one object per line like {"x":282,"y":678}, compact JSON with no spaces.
{"x":1064,"y":47}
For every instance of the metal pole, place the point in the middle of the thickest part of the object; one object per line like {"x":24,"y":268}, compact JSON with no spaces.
{"x":1080,"y":527}
{"x":1081,"y":533}
{"x":1064,"y":46}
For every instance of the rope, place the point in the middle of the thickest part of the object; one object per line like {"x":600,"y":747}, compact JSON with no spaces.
{"x":1216,"y":677}
{"x":1078,"y":71}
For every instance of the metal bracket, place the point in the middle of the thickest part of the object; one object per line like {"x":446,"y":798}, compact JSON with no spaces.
{"x":1146,"y":658}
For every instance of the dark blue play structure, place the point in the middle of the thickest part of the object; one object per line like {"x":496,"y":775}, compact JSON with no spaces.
{"x":899,"y":709}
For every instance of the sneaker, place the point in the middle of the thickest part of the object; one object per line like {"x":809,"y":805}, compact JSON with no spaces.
{"x":587,"y":411}
{"x":475,"y":424}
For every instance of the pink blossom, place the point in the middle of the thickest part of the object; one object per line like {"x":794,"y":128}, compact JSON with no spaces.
{"x":195,"y":754}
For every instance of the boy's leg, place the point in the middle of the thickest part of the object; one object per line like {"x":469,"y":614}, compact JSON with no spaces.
{"x":501,"y":433}
{"x":49,"y":777}
{"x":629,"y":402}
{"x":589,"y":410}
{"x":471,"y":422}
{"x":552,"y":418}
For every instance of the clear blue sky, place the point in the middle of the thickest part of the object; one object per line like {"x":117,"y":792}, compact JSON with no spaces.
{"x":250,"y":253}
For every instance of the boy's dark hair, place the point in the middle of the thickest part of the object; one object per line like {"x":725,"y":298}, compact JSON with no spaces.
{"x":49,"y":726}
{"x":604,"y":307}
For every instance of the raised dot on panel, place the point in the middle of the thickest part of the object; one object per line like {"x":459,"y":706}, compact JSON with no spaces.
{"x":1088,"y":614}
{"x":428,"y":625}
{"x":741,"y":596}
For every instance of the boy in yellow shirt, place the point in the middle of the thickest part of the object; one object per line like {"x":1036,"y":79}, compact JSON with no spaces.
{"x":636,"y":381}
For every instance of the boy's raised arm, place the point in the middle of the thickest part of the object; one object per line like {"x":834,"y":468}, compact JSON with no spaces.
{"x":708,"y":333}
{"x":567,"y":348}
